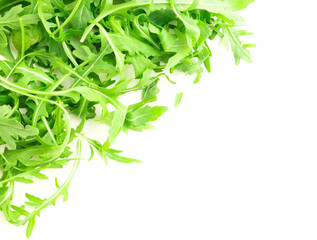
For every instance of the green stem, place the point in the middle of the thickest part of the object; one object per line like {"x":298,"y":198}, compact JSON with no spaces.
{"x":15,"y":87}
{"x":72,"y":14}
{"x":65,"y":47}
{"x":10,"y":192}
{"x":49,"y":130}
{"x":58,"y":193}
{"x":63,"y":146}
{"x":111,"y":10}
{"x":16,"y":106}
{"x":38,"y":169}
{"x":22,"y":38}
{"x":69,"y":54}
{"x":41,"y":16}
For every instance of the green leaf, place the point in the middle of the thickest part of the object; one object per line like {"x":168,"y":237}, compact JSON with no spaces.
{"x":32,"y":35}
{"x":60,"y":5}
{"x":167,"y":40}
{"x":45,"y":12}
{"x":162,"y":17}
{"x":133,"y":46}
{"x":81,"y":18}
{"x":20,"y":210}
{"x":240,"y":51}
{"x":121,"y":159}
{"x":178,"y":99}
{"x":5,"y":66}
{"x":33,"y":155}
{"x":140,"y":64}
{"x":98,"y":95}
{"x":11,"y":19}
{"x":4,"y":47}
{"x":23,"y":180}
{"x":39,"y":175}
{"x":178,"y":57}
{"x":139,"y":119}
{"x":92,"y":153}
{"x":192,"y":30}
{"x":11,"y":129}
{"x":118,"y":54}
{"x":142,"y":31}
{"x":33,"y":74}
{"x":4,"y":110}
{"x":33,"y":198}
{"x":6,"y":194}
{"x":30,"y":227}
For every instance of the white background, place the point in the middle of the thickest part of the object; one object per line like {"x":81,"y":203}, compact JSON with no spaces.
{"x":236,"y":160}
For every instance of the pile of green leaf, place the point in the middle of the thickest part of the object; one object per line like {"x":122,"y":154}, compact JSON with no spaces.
{"x":69,"y":57}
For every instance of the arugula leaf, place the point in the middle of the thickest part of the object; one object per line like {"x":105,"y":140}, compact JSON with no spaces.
{"x":140,"y":64}
{"x":4,"y":47}
{"x":11,"y":19}
{"x":32,"y":74}
{"x":178,"y":99}
{"x":192,"y":30}
{"x":133,"y":46}
{"x":33,"y":35}
{"x":11,"y":129}
{"x":31,"y":156}
{"x":4,"y":110}
{"x":162,"y":17}
{"x":121,"y":159}
{"x":240,"y":50}
{"x":98,"y":95}
{"x":139,"y":119}
{"x":118,"y":54}
{"x":81,"y":18}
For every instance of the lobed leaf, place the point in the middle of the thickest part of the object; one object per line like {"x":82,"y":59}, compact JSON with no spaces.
{"x":11,"y":129}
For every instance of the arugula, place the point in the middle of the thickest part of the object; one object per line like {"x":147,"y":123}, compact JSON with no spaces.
{"x":11,"y":129}
{"x":70,"y":57}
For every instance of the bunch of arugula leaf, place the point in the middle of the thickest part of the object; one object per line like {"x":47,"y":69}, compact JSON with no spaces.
{"x":61,"y":57}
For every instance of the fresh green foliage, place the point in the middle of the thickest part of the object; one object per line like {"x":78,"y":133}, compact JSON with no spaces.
{"x":61,"y":58}
{"x":11,"y":129}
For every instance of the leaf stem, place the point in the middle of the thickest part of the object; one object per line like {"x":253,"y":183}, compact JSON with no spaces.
{"x":71,"y":15}
{"x":22,"y":38}
{"x":62,"y":190}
